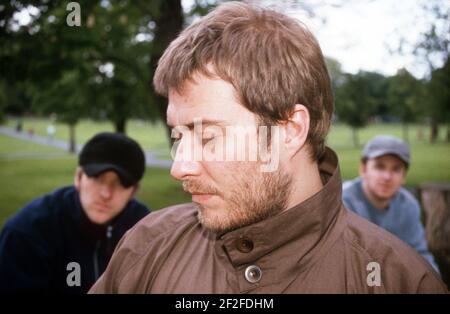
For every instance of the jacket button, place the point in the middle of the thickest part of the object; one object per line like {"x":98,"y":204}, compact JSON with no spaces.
{"x":253,"y":274}
{"x":244,"y":245}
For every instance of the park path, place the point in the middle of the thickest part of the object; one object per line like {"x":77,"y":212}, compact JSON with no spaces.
{"x":150,"y":159}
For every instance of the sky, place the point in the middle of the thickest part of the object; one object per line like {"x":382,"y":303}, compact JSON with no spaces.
{"x":361,"y":33}
{"x":364,"y":35}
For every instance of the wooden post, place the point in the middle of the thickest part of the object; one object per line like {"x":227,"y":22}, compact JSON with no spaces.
{"x":435,"y":198}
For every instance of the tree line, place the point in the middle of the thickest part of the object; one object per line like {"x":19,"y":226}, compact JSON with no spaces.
{"x":366,"y":96}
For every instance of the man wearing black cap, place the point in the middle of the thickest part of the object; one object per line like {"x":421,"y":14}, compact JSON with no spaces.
{"x":62,"y":242}
{"x":378,"y":196}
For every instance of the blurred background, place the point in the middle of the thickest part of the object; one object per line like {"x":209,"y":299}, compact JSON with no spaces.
{"x":60,"y":84}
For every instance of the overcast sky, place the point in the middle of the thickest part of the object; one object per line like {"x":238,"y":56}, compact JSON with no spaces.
{"x":361,"y":33}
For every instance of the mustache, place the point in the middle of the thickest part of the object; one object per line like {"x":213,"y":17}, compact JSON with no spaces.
{"x":196,"y":187}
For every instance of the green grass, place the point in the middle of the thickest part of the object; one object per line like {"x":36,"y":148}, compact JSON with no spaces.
{"x":341,"y":136}
{"x":29,"y":170}
{"x":12,"y":147}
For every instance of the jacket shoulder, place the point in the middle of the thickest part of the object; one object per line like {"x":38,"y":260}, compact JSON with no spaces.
{"x":168,"y":218}
{"x":41,"y":212}
{"x":409,"y":200}
{"x":153,"y":236}
{"x":403,"y":269}
{"x":158,"y":225}
{"x":136,"y":210}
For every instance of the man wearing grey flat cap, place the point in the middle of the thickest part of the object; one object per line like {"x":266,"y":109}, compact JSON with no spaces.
{"x":378,"y":195}
{"x":62,"y":242}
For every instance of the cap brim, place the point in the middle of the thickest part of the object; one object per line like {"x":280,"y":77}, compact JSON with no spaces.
{"x":93,"y":170}
{"x":382,"y":152}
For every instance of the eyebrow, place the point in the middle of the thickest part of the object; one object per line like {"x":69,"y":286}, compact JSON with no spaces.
{"x":204,"y":123}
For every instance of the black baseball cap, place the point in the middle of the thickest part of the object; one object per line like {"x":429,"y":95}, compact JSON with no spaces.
{"x":113,"y":151}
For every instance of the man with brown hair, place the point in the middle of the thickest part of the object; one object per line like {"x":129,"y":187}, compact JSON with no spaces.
{"x":234,"y":75}
{"x":378,"y":196}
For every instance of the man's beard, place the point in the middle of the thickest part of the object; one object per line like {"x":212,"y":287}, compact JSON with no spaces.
{"x":253,"y":197}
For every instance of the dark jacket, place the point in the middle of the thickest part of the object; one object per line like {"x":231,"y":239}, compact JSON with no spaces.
{"x":38,"y":243}
{"x":317,"y":246}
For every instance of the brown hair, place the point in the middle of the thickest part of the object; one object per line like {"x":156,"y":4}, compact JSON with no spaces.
{"x":272,"y":61}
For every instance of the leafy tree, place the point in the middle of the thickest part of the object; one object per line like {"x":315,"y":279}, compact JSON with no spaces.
{"x":117,"y":46}
{"x":337,"y":75}
{"x":354,"y":102}
{"x":404,"y":98}
{"x":438,"y":96}
{"x":434,"y":47}
{"x":64,"y":100}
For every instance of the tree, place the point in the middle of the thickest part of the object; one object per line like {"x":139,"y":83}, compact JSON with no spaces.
{"x":118,"y":43}
{"x":338,"y":77}
{"x":438,"y":96}
{"x":403,"y":98}
{"x":434,"y":48}
{"x":354,"y":102}
{"x":62,"y":99}
{"x":169,"y":23}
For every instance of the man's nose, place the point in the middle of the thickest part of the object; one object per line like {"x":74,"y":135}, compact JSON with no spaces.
{"x":387,"y":174}
{"x":182,"y":169}
{"x":186,"y":162}
{"x":106,"y":192}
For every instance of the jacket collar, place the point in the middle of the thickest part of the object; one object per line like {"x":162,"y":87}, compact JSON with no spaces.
{"x":305,"y":223}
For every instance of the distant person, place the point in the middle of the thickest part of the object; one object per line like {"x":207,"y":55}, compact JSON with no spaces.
{"x":378,"y":195}
{"x":256,"y":224}
{"x":51,"y":130}
{"x":62,"y":242}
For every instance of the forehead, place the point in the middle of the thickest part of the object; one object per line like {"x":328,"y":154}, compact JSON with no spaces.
{"x":207,"y":99}
{"x":388,"y":160}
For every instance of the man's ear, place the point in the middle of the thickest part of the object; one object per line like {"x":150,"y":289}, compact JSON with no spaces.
{"x":404,"y":175}
{"x":77,"y":178}
{"x":362,"y":169}
{"x":296,"y":129}
{"x":136,"y":187}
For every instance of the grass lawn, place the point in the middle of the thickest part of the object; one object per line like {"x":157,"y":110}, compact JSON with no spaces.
{"x":29,"y":170}
{"x":10,"y":147}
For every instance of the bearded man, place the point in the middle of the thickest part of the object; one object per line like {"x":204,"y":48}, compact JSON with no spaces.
{"x":250,"y":228}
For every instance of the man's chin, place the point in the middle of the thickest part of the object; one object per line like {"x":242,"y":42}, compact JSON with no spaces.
{"x":385,"y":196}
{"x":99,"y":218}
{"x":99,"y":221}
{"x":212,"y":220}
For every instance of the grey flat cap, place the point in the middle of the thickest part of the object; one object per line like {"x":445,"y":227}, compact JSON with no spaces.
{"x":387,"y":145}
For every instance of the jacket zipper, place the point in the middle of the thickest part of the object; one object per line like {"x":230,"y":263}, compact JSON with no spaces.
{"x":97,"y":246}
{"x":109,"y":230}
